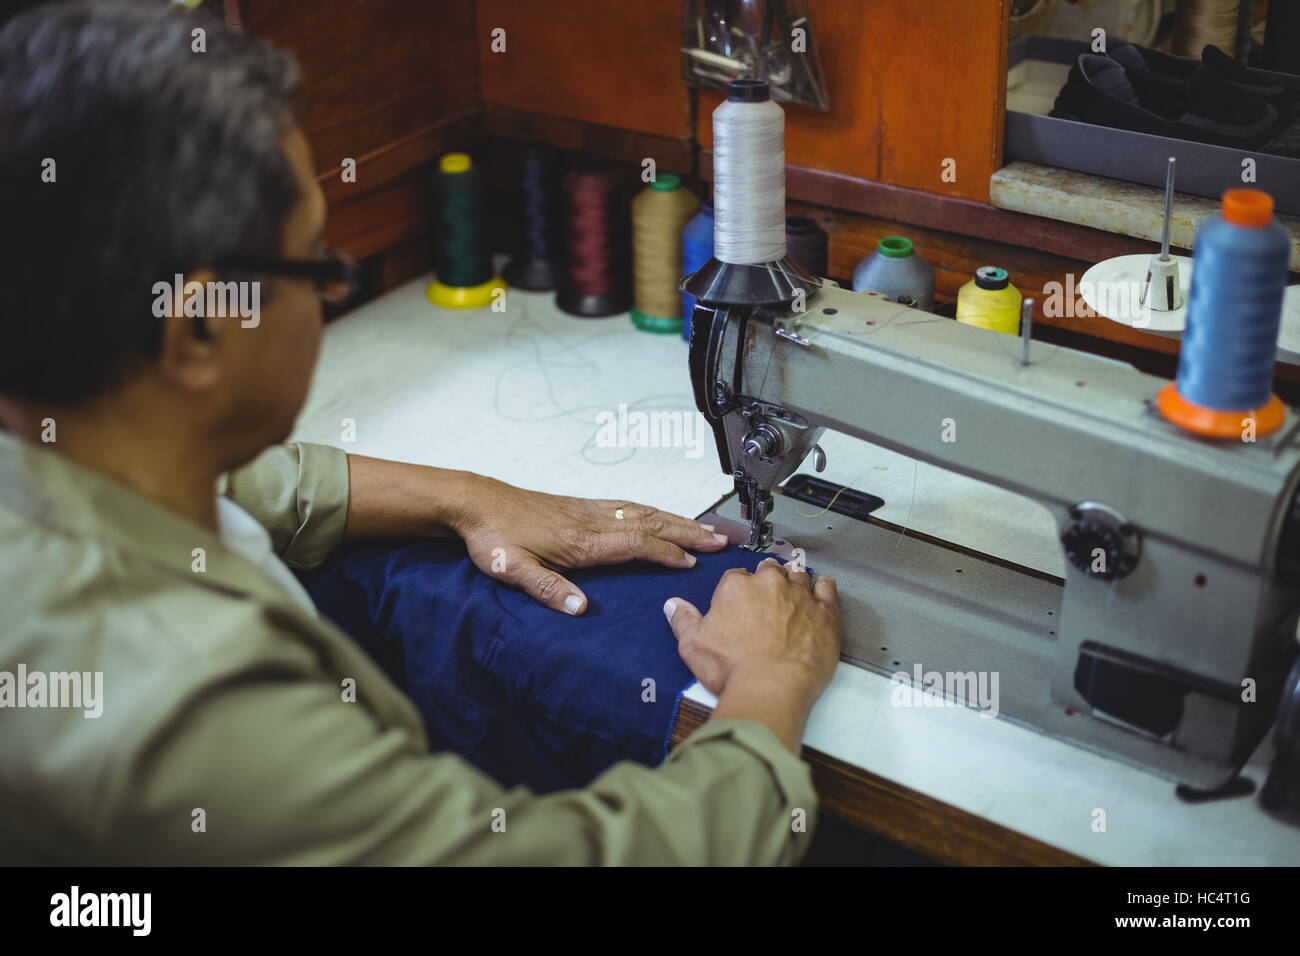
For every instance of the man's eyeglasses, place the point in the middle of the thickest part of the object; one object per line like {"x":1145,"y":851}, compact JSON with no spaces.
{"x":336,"y":276}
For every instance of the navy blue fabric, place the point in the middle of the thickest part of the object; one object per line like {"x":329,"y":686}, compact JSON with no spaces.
{"x":528,"y":695}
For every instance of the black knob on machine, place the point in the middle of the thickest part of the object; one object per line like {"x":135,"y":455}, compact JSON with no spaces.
{"x":1100,"y":543}
{"x":762,"y":441}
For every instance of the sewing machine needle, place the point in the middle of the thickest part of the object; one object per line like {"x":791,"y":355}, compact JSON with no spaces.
{"x":1026,"y":329}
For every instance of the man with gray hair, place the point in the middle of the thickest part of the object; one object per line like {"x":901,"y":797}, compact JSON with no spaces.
{"x":148,"y":515}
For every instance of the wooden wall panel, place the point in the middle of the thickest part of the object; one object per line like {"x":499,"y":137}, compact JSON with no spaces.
{"x":389,"y":83}
{"x":944,"y":94}
{"x":376,"y":71}
{"x":610,"y":62}
{"x":911,"y":84}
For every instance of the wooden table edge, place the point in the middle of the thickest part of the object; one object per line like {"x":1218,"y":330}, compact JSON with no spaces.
{"x":905,"y":816}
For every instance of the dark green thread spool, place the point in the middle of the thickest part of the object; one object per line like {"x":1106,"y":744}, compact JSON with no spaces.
{"x":462,"y":250}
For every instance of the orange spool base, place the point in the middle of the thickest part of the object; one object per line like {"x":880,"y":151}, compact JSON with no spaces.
{"x":1213,"y":423}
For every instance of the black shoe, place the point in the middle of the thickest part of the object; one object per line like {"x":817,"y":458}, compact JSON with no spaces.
{"x":1202,"y":109}
{"x":1283,"y":95}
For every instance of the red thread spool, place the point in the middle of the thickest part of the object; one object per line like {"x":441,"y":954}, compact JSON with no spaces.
{"x":596,"y":275}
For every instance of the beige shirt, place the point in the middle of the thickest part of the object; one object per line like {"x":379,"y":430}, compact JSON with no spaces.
{"x":225,"y":734}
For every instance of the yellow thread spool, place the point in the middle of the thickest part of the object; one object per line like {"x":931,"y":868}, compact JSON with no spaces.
{"x":990,"y":301}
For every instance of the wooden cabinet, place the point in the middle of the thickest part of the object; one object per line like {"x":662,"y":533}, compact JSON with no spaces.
{"x":609,"y":62}
{"x":916,"y":89}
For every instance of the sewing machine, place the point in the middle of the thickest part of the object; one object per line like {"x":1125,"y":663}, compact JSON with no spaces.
{"x":1168,"y":642}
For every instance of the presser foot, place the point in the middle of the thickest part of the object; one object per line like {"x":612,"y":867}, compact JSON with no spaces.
{"x":755,"y":507}
{"x":739,"y":533}
{"x":760,"y":537}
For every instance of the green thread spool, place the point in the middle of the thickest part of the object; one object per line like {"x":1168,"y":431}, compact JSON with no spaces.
{"x":462,"y":255}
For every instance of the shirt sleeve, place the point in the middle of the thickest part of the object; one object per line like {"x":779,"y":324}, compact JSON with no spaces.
{"x":299,"y":493}
{"x":288,"y":773}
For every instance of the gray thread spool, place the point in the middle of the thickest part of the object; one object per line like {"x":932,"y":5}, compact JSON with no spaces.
{"x":895,"y":270}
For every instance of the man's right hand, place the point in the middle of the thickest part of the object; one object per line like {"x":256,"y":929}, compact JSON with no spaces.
{"x":768,"y":646}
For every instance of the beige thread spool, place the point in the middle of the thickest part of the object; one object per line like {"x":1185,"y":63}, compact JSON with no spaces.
{"x":659,"y":214}
{"x":1201,"y":22}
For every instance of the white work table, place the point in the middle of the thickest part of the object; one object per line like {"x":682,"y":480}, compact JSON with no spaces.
{"x":516,"y":395}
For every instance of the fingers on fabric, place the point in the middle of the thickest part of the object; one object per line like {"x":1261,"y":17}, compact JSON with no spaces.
{"x":547,"y":587}
{"x":798,"y":574}
{"x":827,"y":592}
{"x":637,"y":545}
{"x":683,"y":616}
{"x":680,"y":531}
{"x":685,"y":620}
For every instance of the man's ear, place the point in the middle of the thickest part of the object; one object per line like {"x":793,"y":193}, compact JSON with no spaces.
{"x":191,"y":357}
